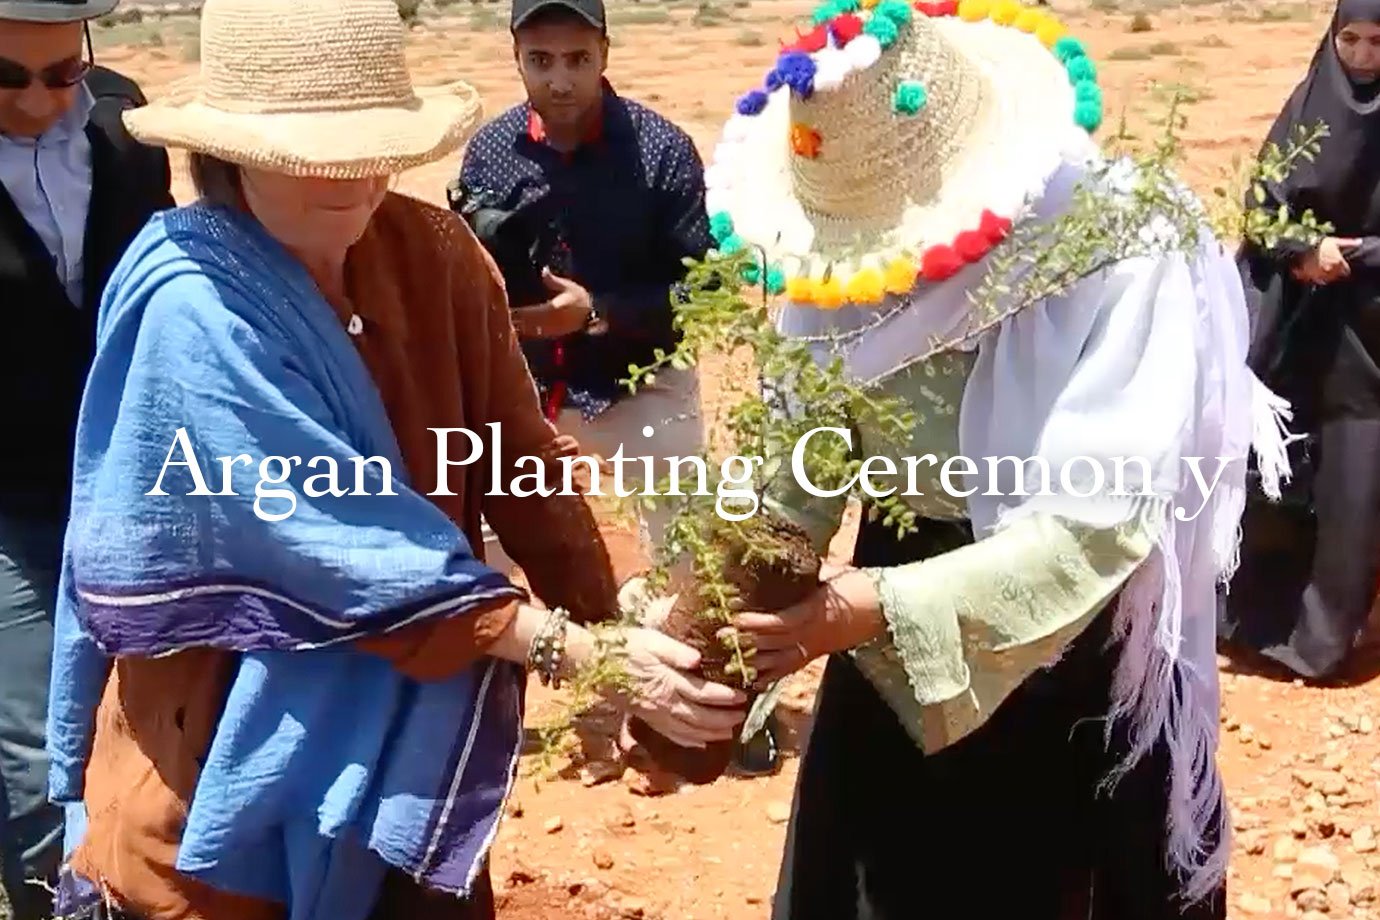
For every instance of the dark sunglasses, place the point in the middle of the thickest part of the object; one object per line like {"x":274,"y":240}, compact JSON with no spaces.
{"x":60,"y":75}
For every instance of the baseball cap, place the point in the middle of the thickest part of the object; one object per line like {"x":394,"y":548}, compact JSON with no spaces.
{"x":591,"y":11}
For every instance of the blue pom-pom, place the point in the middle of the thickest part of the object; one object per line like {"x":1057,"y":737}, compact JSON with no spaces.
{"x":797,"y":70}
{"x":752,"y":103}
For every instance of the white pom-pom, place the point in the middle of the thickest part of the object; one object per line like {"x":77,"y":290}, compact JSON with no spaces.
{"x":863,"y":52}
{"x":831,"y":69}
{"x":715,"y":200}
{"x":737,"y":128}
{"x":717,"y":177}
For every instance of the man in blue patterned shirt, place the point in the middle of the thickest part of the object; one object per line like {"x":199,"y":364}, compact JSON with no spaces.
{"x":610,"y":196}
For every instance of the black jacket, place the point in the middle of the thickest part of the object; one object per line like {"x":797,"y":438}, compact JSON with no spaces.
{"x":48,"y":342}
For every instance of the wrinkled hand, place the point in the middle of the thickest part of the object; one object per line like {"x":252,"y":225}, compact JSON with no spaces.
{"x":566,"y":312}
{"x":1327,"y":263}
{"x":843,"y":613}
{"x":688,"y":710}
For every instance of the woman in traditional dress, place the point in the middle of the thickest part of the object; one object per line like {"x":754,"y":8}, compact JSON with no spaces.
{"x":1019,"y":713}
{"x":1309,"y":564}
{"x":286,"y":684}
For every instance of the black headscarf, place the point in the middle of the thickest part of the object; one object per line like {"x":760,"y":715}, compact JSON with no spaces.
{"x":1342,"y":184}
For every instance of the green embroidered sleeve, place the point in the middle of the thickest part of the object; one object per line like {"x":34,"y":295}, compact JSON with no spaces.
{"x":967,"y":627}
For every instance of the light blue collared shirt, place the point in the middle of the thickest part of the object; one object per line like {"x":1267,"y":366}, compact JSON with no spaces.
{"x":49,"y":178}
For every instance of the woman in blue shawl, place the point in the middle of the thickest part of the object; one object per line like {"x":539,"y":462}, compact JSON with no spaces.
{"x":286,"y":684}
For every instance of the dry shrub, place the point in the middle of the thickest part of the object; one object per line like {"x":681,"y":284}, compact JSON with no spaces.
{"x":709,"y":14}
{"x":1130,"y":53}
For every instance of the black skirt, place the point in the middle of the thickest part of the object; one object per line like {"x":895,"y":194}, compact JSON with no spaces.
{"x":1008,"y":822}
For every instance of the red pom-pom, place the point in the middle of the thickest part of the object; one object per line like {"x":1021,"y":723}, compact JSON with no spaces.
{"x":813,"y":40}
{"x":939,"y":263}
{"x":845,"y":28}
{"x":994,"y":228}
{"x":947,"y":8}
{"x":971,"y":245}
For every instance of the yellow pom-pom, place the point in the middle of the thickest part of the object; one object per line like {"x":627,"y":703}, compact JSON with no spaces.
{"x":865,"y":287}
{"x":1050,"y":31}
{"x":869,"y":4}
{"x":800,"y":290}
{"x":829,"y":294}
{"x":1004,"y":13}
{"x":974,"y":10}
{"x":900,"y":276}
{"x":1029,"y":20}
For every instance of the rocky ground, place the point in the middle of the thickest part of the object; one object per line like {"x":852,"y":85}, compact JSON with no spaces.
{"x":597,"y":841}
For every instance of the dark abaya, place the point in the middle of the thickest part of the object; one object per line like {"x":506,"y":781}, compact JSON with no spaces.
{"x":1309,"y":564}
{"x":1007,"y":822}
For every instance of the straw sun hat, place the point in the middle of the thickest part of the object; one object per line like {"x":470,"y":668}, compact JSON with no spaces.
{"x":893,"y":143}
{"x":55,"y":11}
{"x":308,"y":88}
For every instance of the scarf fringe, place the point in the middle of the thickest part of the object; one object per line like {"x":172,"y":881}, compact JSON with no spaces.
{"x":1155,"y":696}
{"x":1270,"y":437}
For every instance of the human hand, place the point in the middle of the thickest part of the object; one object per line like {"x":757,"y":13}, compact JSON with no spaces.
{"x":844,"y":612}
{"x":688,"y":710}
{"x":566,"y":312}
{"x":1327,"y":263}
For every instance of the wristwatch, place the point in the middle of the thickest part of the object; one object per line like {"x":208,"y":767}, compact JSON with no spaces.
{"x":594,"y":323}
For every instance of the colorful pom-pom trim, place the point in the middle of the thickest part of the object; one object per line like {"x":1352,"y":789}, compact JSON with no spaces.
{"x":805,"y":141}
{"x":838,"y":21}
{"x":728,"y":242}
{"x":910,"y":97}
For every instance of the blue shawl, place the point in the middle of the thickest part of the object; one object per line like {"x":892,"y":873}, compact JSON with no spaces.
{"x":327,"y":763}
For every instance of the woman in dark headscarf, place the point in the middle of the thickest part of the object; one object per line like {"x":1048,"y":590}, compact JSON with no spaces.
{"x":1310,"y":563}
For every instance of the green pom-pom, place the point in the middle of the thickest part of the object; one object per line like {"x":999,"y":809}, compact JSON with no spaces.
{"x":1068,"y":48}
{"x":1088,"y":115}
{"x":731,"y":244}
{"x":847,"y":6}
{"x":1081,"y":69}
{"x":751,"y":273}
{"x":776,"y":281}
{"x":720,"y":226}
{"x":825,"y":12}
{"x":897,"y":11}
{"x":1087,"y":91}
{"x":910,"y":97}
{"x":882,"y":29}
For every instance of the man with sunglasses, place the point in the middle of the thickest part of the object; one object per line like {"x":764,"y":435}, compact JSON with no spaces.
{"x":74,"y":190}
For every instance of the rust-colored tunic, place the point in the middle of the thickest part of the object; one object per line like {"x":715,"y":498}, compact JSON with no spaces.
{"x":439,"y":343}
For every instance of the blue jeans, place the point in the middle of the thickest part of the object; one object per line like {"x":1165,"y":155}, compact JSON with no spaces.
{"x":30,"y":827}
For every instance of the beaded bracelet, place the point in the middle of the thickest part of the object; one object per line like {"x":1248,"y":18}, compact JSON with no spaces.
{"x":548,"y":648}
